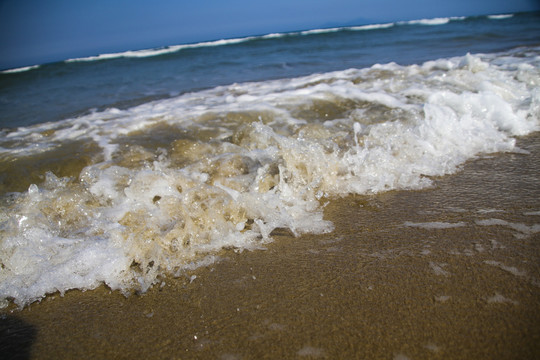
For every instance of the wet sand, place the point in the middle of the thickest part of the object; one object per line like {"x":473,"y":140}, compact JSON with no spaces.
{"x":451,"y":272}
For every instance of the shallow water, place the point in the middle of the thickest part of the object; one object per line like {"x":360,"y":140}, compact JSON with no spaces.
{"x":164,"y":184}
{"x":376,"y":287}
{"x":126,"y":195}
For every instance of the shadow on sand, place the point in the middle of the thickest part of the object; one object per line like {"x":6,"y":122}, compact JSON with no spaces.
{"x":16,"y":338}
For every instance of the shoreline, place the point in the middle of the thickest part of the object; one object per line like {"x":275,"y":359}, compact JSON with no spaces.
{"x":449,"y":272}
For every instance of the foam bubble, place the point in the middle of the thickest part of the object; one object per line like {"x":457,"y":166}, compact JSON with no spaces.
{"x":498,"y":298}
{"x":435,"y":225}
{"x":311,"y":352}
{"x":438,"y":269}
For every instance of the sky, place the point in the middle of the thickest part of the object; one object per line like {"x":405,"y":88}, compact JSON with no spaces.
{"x":40,"y":31}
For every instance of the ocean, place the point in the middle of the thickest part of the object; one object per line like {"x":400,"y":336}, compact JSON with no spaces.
{"x":122,"y":169}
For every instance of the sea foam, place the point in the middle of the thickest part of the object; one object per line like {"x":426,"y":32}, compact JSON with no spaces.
{"x":20,"y":69}
{"x":500,"y":16}
{"x":240,"y":161}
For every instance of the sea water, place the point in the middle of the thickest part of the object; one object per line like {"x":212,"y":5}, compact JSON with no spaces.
{"x":120,"y":169}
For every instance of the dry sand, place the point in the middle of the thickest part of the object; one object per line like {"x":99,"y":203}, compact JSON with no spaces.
{"x":451,"y":272}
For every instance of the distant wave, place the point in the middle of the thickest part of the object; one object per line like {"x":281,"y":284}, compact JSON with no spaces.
{"x":318,"y":31}
{"x":434,"y":21}
{"x":371,"y":27}
{"x":175,"y":48}
{"x":500,"y":17}
{"x":325,"y":31}
{"x":349,"y":28}
{"x":163,"y":50}
{"x":18,"y":70}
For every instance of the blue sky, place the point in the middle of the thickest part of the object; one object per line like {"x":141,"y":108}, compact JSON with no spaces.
{"x":39,"y":31}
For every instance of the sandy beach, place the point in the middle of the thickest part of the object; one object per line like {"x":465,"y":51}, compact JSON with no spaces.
{"x":450,"y":272}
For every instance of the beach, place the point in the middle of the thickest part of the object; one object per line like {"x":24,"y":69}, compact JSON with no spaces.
{"x":449,"y":272}
{"x":357,"y":192}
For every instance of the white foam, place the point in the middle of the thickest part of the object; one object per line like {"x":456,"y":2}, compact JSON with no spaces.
{"x":320,"y":31}
{"x":432,"y":347}
{"x":500,"y":16}
{"x":498,"y":298}
{"x":438,"y":269}
{"x":400,"y":356}
{"x":511,"y":269}
{"x":257,"y":157}
{"x":274,"y":35}
{"x":433,"y":21}
{"x":349,"y":28}
{"x":20,"y":69}
{"x":522,"y":228}
{"x":443,"y":298}
{"x":435,"y":225}
{"x":175,"y":48}
{"x":161,"y":51}
{"x":371,"y":27}
{"x":311,"y":352}
{"x":488,"y":211}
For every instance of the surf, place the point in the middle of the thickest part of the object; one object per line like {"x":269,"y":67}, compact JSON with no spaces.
{"x":169,"y":183}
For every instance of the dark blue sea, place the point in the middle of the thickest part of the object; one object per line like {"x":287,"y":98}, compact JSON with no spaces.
{"x":121,"y":168}
{"x":56,"y":91}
